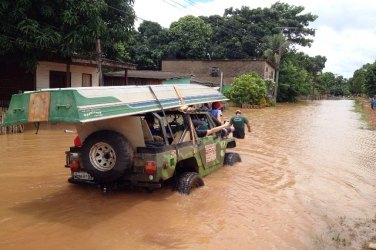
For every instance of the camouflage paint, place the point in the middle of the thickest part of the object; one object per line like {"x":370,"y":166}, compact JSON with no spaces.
{"x":168,"y":164}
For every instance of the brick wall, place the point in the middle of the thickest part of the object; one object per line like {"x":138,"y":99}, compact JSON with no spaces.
{"x":201,"y":70}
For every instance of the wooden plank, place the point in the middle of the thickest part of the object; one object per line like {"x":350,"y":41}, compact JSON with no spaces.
{"x":39,"y":107}
{"x":182,"y":102}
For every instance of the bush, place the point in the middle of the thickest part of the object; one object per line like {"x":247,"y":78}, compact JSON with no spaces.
{"x":263,"y":102}
{"x":247,"y":88}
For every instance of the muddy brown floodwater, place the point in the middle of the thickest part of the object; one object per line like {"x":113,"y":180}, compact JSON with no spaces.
{"x":307,"y":181}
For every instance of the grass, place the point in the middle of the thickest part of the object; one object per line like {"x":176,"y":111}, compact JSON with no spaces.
{"x":362,"y":106}
{"x":348,"y":233}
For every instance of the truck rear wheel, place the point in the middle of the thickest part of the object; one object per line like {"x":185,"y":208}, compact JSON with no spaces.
{"x":106,"y":155}
{"x":188,"y":181}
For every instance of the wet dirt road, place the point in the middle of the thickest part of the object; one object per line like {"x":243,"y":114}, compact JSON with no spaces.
{"x":307,"y":181}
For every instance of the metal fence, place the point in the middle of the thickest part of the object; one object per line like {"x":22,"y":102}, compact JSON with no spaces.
{"x":8,"y":129}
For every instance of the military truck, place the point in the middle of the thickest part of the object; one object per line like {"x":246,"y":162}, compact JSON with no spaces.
{"x":115,"y":145}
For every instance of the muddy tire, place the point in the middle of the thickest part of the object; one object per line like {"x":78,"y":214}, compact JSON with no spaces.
{"x":106,"y":155}
{"x":188,"y":181}
{"x":231,"y":159}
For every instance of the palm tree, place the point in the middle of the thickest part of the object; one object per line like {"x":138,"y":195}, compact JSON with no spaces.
{"x":277,"y":45}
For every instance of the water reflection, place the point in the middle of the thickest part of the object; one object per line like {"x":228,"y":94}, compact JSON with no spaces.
{"x":306,"y":182}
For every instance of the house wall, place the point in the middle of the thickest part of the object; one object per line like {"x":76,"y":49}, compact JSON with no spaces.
{"x":269,"y":72}
{"x":44,"y":68}
{"x":201,"y":70}
{"x":119,"y":81}
{"x":113,"y":81}
{"x":143,"y":81}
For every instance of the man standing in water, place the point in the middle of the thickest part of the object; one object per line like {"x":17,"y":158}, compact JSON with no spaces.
{"x":238,"y":121}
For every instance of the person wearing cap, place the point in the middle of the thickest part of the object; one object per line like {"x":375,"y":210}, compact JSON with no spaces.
{"x":238,"y":121}
{"x":216,"y":111}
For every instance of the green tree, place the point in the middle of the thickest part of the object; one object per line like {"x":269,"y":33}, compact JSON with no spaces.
{"x":295,"y":81}
{"x":118,"y":17}
{"x":357,"y":82}
{"x":341,"y":87}
{"x":334,"y":85}
{"x":245,"y":33}
{"x":327,"y":80}
{"x":240,"y":32}
{"x":316,"y":65}
{"x":370,"y":79}
{"x":189,"y":38}
{"x":247,"y":88}
{"x":148,"y":45}
{"x":275,"y":44}
{"x":31,"y":30}
{"x":313,"y":67}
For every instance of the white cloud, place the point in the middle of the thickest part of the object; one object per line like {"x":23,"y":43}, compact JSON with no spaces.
{"x":345,"y":29}
{"x":346,"y":50}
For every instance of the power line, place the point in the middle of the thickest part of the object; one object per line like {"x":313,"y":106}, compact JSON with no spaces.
{"x":122,"y":11}
{"x":173,"y":5}
{"x":193,"y":4}
{"x":190,"y":3}
{"x":184,"y":8}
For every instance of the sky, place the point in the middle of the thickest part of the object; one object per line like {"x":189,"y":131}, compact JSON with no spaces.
{"x":345,"y":29}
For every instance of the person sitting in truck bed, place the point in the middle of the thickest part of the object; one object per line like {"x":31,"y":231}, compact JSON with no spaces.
{"x":216,"y":111}
{"x":205,"y":132}
{"x":150,"y":120}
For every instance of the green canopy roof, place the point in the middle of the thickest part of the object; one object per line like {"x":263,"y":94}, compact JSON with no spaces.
{"x":78,"y":105}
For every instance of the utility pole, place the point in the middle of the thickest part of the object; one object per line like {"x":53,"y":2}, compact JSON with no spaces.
{"x":221,"y":84}
{"x":99,"y":62}
{"x":279,"y":60}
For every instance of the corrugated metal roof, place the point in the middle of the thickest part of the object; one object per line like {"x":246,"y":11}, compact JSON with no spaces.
{"x":105,"y":62}
{"x":224,"y":60}
{"x":148,"y":74}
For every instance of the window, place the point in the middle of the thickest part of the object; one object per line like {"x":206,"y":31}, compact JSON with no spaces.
{"x":58,"y":79}
{"x":86,"y":80}
{"x":214,"y":71}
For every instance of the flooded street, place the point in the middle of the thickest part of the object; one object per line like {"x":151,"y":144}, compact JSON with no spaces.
{"x":306,"y":181}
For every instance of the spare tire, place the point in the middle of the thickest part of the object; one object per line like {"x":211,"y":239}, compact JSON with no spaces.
{"x":106,"y":155}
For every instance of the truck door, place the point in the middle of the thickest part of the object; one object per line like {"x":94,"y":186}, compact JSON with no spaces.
{"x":208,"y":146}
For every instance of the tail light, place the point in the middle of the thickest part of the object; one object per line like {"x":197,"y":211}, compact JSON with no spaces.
{"x":74,"y":165}
{"x":77,"y":141}
{"x":150,"y":167}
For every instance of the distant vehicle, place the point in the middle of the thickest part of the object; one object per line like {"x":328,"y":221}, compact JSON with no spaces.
{"x":118,"y":148}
